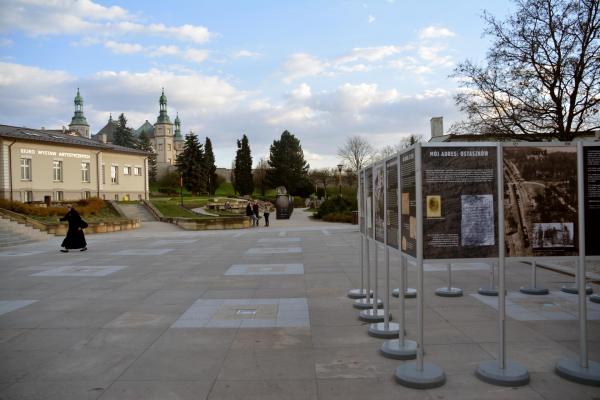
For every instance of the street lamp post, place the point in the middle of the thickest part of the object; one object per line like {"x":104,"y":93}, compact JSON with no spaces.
{"x":340,"y":166}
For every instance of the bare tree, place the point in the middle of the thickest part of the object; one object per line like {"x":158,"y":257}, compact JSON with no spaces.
{"x":542,"y":78}
{"x":260,"y":176}
{"x":355,"y":152}
{"x":409,"y":141}
{"x":321,"y":177}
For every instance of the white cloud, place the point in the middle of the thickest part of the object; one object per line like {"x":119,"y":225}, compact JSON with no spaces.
{"x":371,"y":19}
{"x":74,"y":17}
{"x":196,"y":55}
{"x":371,"y":54}
{"x":300,"y":65}
{"x":162,"y":51}
{"x":6,"y":42}
{"x":123,"y":48}
{"x":435,"y":32}
{"x":302,"y":92}
{"x":246,"y":53}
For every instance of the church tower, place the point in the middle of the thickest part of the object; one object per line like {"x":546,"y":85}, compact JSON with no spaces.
{"x":78,"y":122}
{"x":179,"y":140}
{"x":163,"y":138}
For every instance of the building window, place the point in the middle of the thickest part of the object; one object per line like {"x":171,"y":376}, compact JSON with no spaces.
{"x":25,"y":169}
{"x":27,"y":196}
{"x":116,"y":197}
{"x":114,"y":174}
{"x":85,"y":172}
{"x":139,"y":197}
{"x":169,"y":161}
{"x":160,"y":147}
{"x":87,"y":195}
{"x":103,"y":172}
{"x":126,"y":170}
{"x":137,"y":171}
{"x":169,"y":147}
{"x":103,"y":197}
{"x":57,"y":168}
{"x":58,"y":196}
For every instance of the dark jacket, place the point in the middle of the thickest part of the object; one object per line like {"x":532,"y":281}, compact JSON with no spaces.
{"x":249,"y":212}
{"x":75,"y":238}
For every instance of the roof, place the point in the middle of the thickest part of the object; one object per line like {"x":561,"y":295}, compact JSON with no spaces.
{"x":108,"y":129}
{"x":59,"y":137}
{"x":147,"y":128}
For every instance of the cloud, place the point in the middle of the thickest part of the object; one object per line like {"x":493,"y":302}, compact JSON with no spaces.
{"x":435,"y":32}
{"x":246,"y":53}
{"x":371,"y":19}
{"x":302,"y":92}
{"x":123,"y":48}
{"x":300,"y":65}
{"x":72,"y":17}
{"x":164,"y":51}
{"x":214,"y":107}
{"x":6,"y":42}
{"x":196,"y":55}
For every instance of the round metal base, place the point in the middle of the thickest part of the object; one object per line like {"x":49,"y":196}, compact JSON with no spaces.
{"x":488,"y":291}
{"x":410,"y":293}
{"x":363,"y":304}
{"x":534,"y":291}
{"x":595,"y":298}
{"x":358,"y":293}
{"x":430,"y":377}
{"x":571,"y":370}
{"x":378,"y":330}
{"x":573,"y":289}
{"x":371,"y":315}
{"x":449,"y":292}
{"x":406,"y":350}
{"x":512,"y":375}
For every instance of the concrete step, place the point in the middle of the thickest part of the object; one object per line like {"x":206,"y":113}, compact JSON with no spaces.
{"x":13,"y":233}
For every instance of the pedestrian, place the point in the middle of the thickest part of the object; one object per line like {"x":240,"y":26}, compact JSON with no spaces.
{"x":267,"y":212}
{"x":250,"y":214}
{"x":75,"y":238}
{"x":255,"y":211}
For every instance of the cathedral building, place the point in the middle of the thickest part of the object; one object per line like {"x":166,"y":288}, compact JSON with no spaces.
{"x":165,"y":136}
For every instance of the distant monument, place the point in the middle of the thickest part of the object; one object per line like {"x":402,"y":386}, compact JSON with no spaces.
{"x":284,"y":204}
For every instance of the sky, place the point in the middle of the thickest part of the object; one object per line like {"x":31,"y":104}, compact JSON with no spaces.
{"x":323,"y":70}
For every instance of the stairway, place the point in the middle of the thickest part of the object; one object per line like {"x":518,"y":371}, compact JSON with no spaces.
{"x":13,"y":233}
{"x":137,"y":211}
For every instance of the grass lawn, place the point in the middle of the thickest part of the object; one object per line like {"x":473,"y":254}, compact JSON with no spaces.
{"x":170,"y":207}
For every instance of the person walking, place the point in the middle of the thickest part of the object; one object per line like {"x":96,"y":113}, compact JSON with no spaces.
{"x":250,"y":213}
{"x":75,"y":238}
{"x":255,"y":211}
{"x":267,"y":212}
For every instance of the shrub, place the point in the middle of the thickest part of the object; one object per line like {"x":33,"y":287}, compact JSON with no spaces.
{"x":337,"y":204}
{"x":90,"y":206}
{"x":345,"y":216}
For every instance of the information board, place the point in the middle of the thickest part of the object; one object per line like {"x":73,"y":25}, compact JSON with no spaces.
{"x":540,"y":201}
{"x":378,"y":193}
{"x":408,"y":211}
{"x":392,"y":221}
{"x":369,"y":200}
{"x":591,"y":190}
{"x":361,"y":202}
{"x":460,"y":210}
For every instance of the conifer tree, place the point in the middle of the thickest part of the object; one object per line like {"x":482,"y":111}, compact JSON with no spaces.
{"x":243,"y":168}
{"x":210,"y":167}
{"x":190,"y":164}
{"x":123,"y":135}
{"x":287,"y":165}
{"x":143,"y":143}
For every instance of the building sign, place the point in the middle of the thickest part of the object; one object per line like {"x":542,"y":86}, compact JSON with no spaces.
{"x":459,"y":202}
{"x":408,"y":201}
{"x":392,"y":224}
{"x":378,"y":202}
{"x":540,"y":201}
{"x":62,"y":154}
{"x":591,"y":190}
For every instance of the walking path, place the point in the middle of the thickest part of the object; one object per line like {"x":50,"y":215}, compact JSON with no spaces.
{"x":261,"y":313}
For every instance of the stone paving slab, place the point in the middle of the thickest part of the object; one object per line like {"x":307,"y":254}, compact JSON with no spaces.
{"x":115,"y":336}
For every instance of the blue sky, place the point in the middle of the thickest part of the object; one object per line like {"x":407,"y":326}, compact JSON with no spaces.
{"x":324,"y":71}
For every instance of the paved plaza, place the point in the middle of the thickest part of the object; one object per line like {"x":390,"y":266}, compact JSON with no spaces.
{"x":261,"y":313}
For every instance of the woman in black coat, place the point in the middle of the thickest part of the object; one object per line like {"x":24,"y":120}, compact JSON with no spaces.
{"x":75,"y":238}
